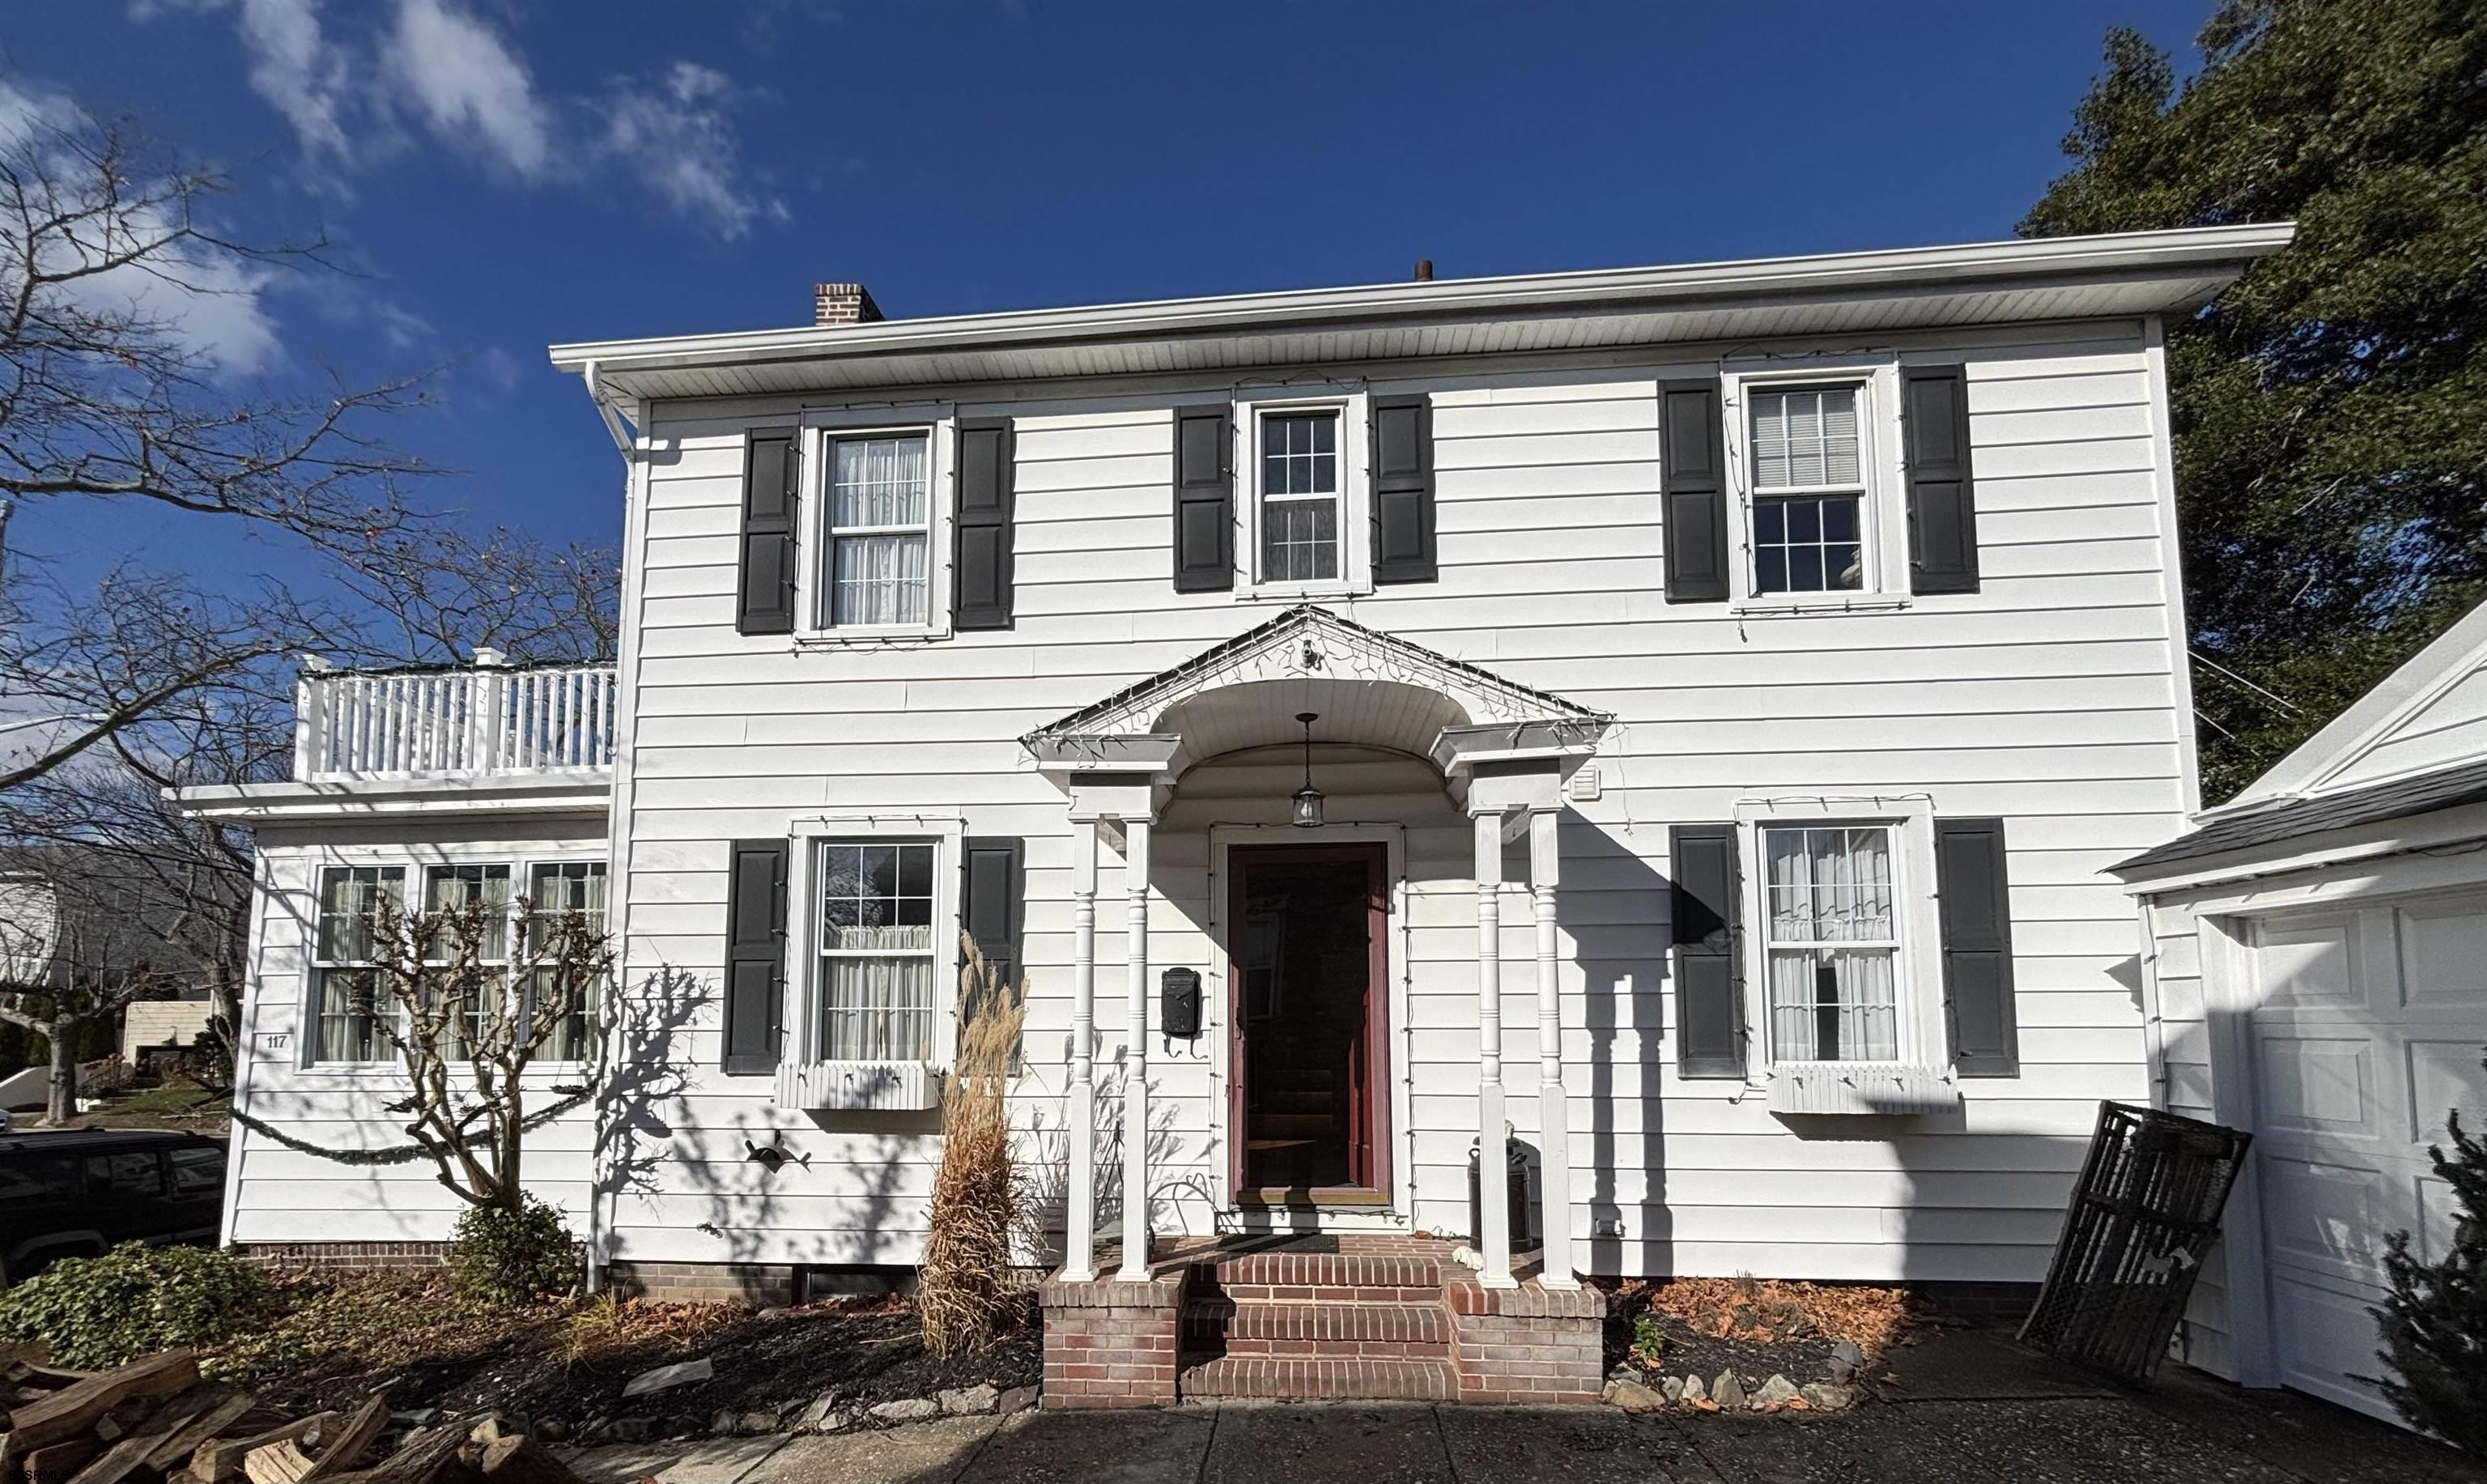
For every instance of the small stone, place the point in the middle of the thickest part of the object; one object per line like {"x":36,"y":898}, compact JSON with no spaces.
{"x":836,"y":1422}
{"x":1727,"y":1390}
{"x":1848,"y":1354}
{"x":633,"y":1429}
{"x":725,"y":1420}
{"x":810,"y":1418}
{"x":1015,"y":1400}
{"x":1839,"y":1371}
{"x":552,"y":1430}
{"x":680,"y":1373}
{"x":1777,"y":1391}
{"x":754,"y":1423}
{"x":1622,"y":1373}
{"x":1695,"y":1392}
{"x":914,"y":1409}
{"x":1830,"y":1398}
{"x":1672,"y":1389}
{"x":968,"y":1401}
{"x":1632,"y":1397}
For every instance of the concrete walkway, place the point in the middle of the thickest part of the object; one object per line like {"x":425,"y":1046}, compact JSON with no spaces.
{"x":1977,"y":1410}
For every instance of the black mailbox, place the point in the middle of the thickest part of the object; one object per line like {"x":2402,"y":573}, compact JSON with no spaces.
{"x":1179,"y":1008}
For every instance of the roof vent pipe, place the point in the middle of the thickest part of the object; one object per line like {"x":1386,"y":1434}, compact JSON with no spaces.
{"x":1424,"y":271}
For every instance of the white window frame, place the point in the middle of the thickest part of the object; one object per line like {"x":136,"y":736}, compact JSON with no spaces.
{"x":806,"y":983}
{"x":600,"y":996}
{"x":1916,"y":970}
{"x":418,"y":866}
{"x":1353,"y":408}
{"x":937,"y":424}
{"x":317,"y":966}
{"x":1883,"y":519}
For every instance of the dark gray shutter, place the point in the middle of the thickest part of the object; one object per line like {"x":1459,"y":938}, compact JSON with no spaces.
{"x":755,"y":954}
{"x":765,"y":601}
{"x":1708,"y":965}
{"x":1403,"y":490}
{"x":1204,"y":503}
{"x":1692,"y":474}
{"x":1943,"y":506}
{"x":1977,"y":948}
{"x":980,"y":572}
{"x":989,"y":900}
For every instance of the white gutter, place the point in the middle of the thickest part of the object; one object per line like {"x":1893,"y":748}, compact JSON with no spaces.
{"x":2108,"y":256}
{"x":618,"y":428}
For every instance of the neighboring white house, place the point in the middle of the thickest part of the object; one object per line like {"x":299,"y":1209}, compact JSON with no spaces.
{"x":2315,"y":956}
{"x":1687,"y":713}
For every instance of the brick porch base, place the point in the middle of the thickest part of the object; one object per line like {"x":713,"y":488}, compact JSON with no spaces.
{"x":1343,"y":1317}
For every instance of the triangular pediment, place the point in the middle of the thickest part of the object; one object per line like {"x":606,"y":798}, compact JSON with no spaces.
{"x":1308,"y":644}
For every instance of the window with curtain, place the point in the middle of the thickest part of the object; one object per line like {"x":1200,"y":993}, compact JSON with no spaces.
{"x":876,"y":951}
{"x":881,"y":514}
{"x":1834,"y":943}
{"x":486,"y":888}
{"x":345,"y":985}
{"x":554,"y":890}
{"x":1299,"y":497}
{"x":1808,"y":476}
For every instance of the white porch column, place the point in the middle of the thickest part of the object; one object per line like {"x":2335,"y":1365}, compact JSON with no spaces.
{"x":1554,"y":1111}
{"x":1135,"y":1065}
{"x":1494,"y":1208}
{"x":1079,"y":1103}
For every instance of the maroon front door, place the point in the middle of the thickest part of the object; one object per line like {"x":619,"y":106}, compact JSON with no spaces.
{"x":1308,"y":1113}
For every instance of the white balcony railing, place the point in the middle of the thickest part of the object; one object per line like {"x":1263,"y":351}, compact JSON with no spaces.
{"x":484,"y":718}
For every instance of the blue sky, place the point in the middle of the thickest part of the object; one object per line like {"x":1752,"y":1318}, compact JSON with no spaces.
{"x":501,"y":173}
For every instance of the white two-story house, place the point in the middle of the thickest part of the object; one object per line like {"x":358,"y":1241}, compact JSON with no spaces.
{"x":1664,"y":727}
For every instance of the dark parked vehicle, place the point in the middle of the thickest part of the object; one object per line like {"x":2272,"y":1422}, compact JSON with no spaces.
{"x":82,"y":1192}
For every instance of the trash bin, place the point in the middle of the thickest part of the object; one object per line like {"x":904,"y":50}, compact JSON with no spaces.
{"x":1523,"y":1226}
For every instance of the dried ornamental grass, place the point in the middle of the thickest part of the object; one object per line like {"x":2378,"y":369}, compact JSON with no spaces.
{"x":964,"y":1293}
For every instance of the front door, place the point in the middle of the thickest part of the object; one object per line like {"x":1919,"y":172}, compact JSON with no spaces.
{"x":1308,"y":942}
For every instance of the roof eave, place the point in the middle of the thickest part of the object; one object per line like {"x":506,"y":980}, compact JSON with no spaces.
{"x":2184,"y":257}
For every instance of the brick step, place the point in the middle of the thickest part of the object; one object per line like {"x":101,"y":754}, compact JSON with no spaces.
{"x":1322,"y":1380}
{"x":1321,"y":1277}
{"x":1417,"y":1332}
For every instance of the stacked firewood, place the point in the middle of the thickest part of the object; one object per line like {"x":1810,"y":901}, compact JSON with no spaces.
{"x":153,"y":1421}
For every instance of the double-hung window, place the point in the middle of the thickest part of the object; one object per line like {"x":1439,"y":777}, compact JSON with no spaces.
{"x":1809,"y":484}
{"x":555,"y":890}
{"x":1300,"y":515}
{"x":450,"y":893}
{"x":879,"y":537}
{"x":345,"y":985}
{"x":878,"y":959}
{"x":1833,"y":942}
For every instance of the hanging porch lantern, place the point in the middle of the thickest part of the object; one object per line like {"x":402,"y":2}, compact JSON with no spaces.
{"x":1308,"y":799}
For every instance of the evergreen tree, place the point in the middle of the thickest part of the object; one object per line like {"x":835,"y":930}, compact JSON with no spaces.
{"x":2435,"y":1319}
{"x":2331,"y":408}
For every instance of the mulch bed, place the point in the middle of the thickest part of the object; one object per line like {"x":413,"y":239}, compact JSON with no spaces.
{"x":1755,"y":1328}
{"x":867,"y":1352}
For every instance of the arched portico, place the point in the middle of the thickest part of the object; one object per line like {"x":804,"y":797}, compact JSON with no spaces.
{"x":1501,"y":753}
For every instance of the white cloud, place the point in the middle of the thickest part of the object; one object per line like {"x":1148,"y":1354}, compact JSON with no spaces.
{"x":470,"y":86}
{"x":679,"y":136}
{"x":206,"y":302}
{"x":499,"y":367}
{"x":295,"y":68}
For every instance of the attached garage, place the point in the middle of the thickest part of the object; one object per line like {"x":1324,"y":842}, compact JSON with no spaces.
{"x":2315,"y":959}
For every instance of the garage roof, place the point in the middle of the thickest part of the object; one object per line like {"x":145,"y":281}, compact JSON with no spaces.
{"x":2297,"y":817}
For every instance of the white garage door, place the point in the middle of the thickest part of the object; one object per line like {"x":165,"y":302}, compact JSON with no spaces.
{"x":2368,"y":1028}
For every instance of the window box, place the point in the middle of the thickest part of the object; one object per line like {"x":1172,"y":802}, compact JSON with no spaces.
{"x":1832,"y":1088}
{"x":837,"y":1086}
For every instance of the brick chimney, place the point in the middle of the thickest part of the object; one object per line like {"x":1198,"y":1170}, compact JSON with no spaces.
{"x":842,"y":304}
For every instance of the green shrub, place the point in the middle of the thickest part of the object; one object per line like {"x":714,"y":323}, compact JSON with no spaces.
{"x":510,"y":1257}
{"x":98,"y":1312}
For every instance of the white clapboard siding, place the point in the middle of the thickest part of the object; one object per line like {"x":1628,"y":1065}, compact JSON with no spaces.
{"x":2047,"y":698}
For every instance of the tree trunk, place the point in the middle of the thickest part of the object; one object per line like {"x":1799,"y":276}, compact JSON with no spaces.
{"x":61,"y":1105}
